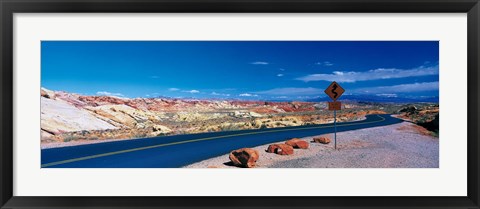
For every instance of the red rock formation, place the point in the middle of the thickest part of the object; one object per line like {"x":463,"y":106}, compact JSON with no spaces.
{"x":263,"y":110}
{"x":100,"y":100}
{"x":321,"y":139}
{"x":280,"y":149}
{"x":245,"y":157}
{"x":179,"y":116}
{"x":297,"y":143}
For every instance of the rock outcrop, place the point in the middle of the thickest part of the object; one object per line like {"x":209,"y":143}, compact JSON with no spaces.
{"x":160,"y":130}
{"x":47,"y":93}
{"x":297,"y":143}
{"x":280,"y":149}
{"x":69,"y":116}
{"x":321,"y":139}
{"x":59,"y":117}
{"x":245,"y":157}
{"x":409,"y":110}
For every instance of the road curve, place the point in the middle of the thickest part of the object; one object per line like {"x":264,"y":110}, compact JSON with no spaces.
{"x":180,"y":150}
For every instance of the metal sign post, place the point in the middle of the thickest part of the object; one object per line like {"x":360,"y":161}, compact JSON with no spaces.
{"x":335,"y":126}
{"x":334,"y":91}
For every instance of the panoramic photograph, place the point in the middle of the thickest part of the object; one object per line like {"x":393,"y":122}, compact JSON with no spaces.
{"x":239,"y":104}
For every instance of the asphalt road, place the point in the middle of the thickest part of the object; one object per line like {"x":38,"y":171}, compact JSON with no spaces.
{"x":181,"y":150}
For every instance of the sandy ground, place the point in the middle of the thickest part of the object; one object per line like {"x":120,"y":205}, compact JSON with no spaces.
{"x":402,"y":145}
{"x":76,"y":143}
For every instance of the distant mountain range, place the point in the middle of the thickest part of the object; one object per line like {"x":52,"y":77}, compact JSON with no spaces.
{"x":374,"y":98}
{"x":352,"y":98}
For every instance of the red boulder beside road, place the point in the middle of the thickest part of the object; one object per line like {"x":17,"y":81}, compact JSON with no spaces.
{"x":245,"y":157}
{"x":321,"y":139}
{"x":297,"y":143}
{"x":281,"y":149}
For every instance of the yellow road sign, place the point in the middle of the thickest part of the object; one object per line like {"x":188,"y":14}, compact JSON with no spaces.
{"x":334,"y":91}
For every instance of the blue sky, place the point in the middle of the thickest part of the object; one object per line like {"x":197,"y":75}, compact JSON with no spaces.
{"x":250,"y":70}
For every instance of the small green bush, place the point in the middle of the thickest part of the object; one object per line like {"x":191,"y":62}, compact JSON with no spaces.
{"x":70,"y":138}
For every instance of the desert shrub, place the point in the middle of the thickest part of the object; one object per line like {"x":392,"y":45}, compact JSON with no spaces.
{"x":140,"y":135}
{"x":231,"y":127}
{"x":70,"y":138}
{"x":432,"y":125}
{"x":162,"y":134}
{"x":48,"y":139}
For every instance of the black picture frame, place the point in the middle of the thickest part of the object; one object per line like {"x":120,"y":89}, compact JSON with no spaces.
{"x":9,"y":7}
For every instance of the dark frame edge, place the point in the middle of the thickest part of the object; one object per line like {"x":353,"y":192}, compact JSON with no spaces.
{"x":6,"y":105}
{"x":7,"y":200}
{"x":241,"y":6}
{"x":473,"y":21}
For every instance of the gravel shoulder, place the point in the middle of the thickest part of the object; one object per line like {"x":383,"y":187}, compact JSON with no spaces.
{"x":403,"y":145}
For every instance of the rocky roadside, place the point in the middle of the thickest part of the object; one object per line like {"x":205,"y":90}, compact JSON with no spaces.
{"x":403,"y":145}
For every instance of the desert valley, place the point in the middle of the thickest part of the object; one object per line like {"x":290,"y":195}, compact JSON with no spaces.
{"x":72,"y":119}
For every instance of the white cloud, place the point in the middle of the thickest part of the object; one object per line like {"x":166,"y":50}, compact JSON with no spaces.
{"x":281,"y":69}
{"x":220,"y":94}
{"x":173,"y":89}
{"x":280,"y":75}
{"x":326,"y":63}
{"x":377,"y":74}
{"x":292,"y":91}
{"x":387,"y":95}
{"x":308,"y":97}
{"x":192,"y":91}
{"x":106,"y":93}
{"x":259,"y":63}
{"x":248,"y":95}
{"x":402,"y":88}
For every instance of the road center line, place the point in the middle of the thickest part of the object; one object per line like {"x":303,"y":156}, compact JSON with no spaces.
{"x":193,"y":140}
